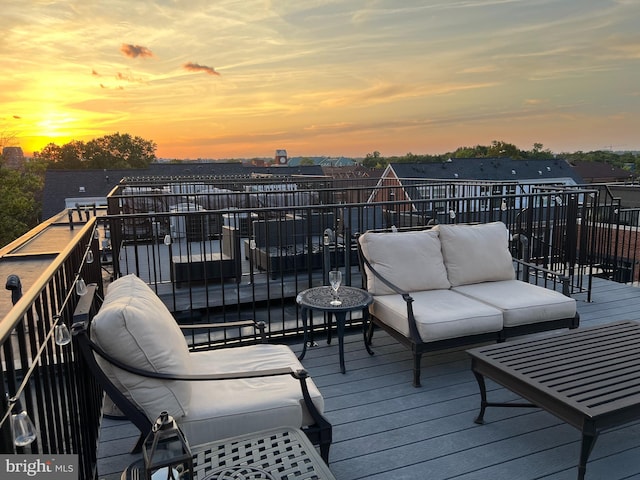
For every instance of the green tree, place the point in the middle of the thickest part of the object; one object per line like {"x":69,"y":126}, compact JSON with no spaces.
{"x":20,"y":208}
{"x":371,"y":160}
{"x":499,"y":148}
{"x":120,"y":151}
{"x":111,"y":151}
{"x":69,"y":156}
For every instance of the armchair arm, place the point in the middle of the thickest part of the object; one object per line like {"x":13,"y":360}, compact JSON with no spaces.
{"x":79,"y":330}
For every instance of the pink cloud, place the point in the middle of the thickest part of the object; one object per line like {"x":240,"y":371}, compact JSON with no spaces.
{"x":134,"y":51}
{"x":194,"y":67}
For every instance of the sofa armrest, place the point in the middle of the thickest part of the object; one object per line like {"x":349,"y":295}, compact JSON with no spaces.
{"x":530,"y":270}
{"x":406,"y":296}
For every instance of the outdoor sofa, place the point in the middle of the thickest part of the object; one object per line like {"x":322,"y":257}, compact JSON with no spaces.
{"x":453,"y":285}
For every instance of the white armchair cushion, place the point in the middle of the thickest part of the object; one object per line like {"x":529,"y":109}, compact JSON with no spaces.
{"x":439,"y":314}
{"x":476,"y":253}
{"x":226,"y":408}
{"x":522,"y":303}
{"x":135,"y":327}
{"x":410,"y":260}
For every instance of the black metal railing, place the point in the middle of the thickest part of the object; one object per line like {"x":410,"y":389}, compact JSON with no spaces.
{"x":225,"y":264}
{"x":221,"y":254}
{"x":59,"y":398}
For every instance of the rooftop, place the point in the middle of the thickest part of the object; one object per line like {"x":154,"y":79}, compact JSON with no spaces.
{"x":383,"y":427}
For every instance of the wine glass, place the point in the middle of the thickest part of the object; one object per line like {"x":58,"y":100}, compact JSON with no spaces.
{"x":335,"y":278}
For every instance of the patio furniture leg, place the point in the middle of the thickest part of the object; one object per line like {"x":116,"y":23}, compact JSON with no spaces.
{"x":369,"y":337}
{"x":304,"y":313}
{"x":366,"y":327}
{"x":483,"y":398}
{"x":417,"y":357}
{"x":588,"y":441}
{"x":341,"y":318}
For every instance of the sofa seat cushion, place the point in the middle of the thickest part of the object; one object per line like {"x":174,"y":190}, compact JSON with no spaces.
{"x":135,"y":327}
{"x":410,"y":260}
{"x":522,"y":303}
{"x":225,"y":408}
{"x":476,"y":253}
{"x":439,"y":314}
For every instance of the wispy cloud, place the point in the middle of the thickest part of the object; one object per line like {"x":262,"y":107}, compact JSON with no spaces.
{"x":195,"y":67}
{"x":134,"y":51}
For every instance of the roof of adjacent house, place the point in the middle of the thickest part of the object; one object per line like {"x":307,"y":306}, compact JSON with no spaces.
{"x":490,"y":169}
{"x":96,"y":184}
{"x":601,"y":172}
{"x":323,"y":161}
{"x":354,"y":171}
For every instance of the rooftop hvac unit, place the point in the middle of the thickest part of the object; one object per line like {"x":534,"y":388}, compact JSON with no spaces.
{"x":193,"y":227}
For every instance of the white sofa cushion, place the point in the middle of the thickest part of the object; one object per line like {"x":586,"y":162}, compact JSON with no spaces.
{"x":227,"y":408}
{"x":439,"y":314}
{"x":522,"y":303}
{"x":135,"y":327}
{"x":410,"y":260}
{"x":476,"y":253}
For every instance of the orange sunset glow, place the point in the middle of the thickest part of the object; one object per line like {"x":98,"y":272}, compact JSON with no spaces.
{"x":229,"y":79}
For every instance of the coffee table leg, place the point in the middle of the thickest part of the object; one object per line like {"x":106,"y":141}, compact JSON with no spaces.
{"x":588,"y":441}
{"x":483,"y":398}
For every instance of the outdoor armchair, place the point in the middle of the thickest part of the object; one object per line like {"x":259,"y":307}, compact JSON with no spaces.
{"x":139,"y":355}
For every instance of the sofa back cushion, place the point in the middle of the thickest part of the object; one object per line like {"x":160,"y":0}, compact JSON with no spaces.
{"x":410,"y":260}
{"x":135,"y":327}
{"x":476,"y":253}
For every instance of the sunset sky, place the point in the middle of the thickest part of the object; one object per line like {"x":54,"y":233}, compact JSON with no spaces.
{"x":242,"y":78}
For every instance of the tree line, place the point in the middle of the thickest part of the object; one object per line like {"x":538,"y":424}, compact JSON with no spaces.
{"x":116,"y":151}
{"x":498,"y":149}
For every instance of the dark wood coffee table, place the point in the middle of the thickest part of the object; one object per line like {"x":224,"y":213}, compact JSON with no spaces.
{"x":589,"y":377}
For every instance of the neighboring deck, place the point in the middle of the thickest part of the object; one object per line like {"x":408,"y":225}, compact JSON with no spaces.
{"x":386,"y":429}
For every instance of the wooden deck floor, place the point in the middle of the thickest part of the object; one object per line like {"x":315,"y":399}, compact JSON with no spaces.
{"x":386,"y":429}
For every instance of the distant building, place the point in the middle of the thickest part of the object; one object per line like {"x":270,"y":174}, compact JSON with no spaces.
{"x":281,"y":157}
{"x":68,"y":188}
{"x":13,"y":157}
{"x":599,"y":172}
{"x":437,"y":181}
{"x":323,"y":161}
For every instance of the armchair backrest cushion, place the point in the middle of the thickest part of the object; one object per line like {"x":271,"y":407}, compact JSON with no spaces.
{"x":410,"y":260}
{"x":476,"y":253}
{"x":136,"y":328}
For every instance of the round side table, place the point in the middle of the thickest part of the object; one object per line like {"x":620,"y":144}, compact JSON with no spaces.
{"x":319,"y":298}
